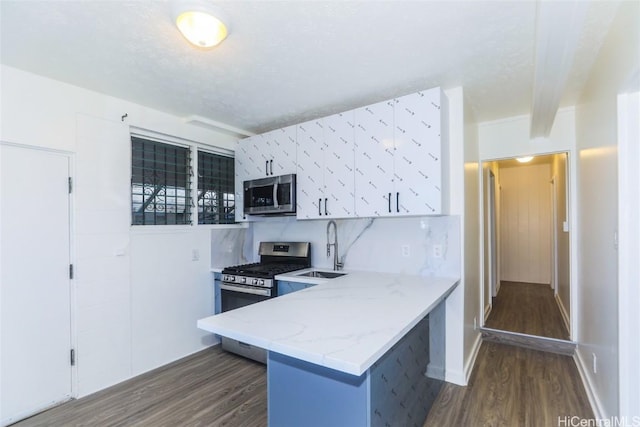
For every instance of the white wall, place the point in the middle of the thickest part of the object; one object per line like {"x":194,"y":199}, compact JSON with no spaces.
{"x":137,"y":293}
{"x":471,"y":235}
{"x":596,"y":136}
{"x":509,"y":137}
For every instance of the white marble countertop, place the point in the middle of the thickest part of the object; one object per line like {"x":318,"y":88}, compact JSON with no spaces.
{"x":346,"y":323}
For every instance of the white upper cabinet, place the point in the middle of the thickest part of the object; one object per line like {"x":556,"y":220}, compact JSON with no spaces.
{"x":385,"y":159}
{"x":339,"y":180}
{"x":418,"y":153}
{"x":374,"y":148}
{"x":399,"y":156}
{"x":325,"y":167}
{"x":259,"y":156}
{"x":280,"y":154}
{"x":310,"y":176}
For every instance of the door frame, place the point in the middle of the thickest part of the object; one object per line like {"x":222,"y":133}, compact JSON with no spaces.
{"x":571,"y":219}
{"x":492,"y":223}
{"x":70,"y":156}
{"x":629,"y":231}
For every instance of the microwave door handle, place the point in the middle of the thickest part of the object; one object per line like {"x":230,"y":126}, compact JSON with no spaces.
{"x":275,"y":194}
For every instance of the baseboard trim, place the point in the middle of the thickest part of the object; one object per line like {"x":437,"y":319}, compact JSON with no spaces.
{"x":455,"y":377}
{"x":592,"y":395}
{"x":471,"y":361}
{"x":563,"y":313}
{"x":435,"y":372}
{"x":487,"y":311}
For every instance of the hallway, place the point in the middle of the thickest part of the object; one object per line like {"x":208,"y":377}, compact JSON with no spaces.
{"x":527,"y":308}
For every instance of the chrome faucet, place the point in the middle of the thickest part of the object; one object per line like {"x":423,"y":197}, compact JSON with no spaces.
{"x":337,"y":265}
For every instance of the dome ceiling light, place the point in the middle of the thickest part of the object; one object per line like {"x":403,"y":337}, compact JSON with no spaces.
{"x":525,"y":159}
{"x":201,"y":23}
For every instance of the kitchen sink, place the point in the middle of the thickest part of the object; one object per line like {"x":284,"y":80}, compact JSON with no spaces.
{"x":322,"y":274}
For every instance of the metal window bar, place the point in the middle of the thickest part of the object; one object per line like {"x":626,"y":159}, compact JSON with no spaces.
{"x":160,"y":183}
{"x":216,"y":190}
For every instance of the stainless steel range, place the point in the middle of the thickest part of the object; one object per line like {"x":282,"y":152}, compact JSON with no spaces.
{"x":247,"y":284}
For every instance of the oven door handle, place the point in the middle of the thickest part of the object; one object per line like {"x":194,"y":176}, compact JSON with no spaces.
{"x":266,"y":292}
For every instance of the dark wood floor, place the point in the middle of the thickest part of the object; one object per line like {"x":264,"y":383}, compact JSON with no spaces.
{"x":210,"y":388}
{"x":509,"y":386}
{"x":527,"y":308}
{"x":513,"y":386}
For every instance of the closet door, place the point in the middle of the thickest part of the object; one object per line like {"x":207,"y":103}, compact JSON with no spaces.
{"x":35,"y":367}
{"x":526,"y":224}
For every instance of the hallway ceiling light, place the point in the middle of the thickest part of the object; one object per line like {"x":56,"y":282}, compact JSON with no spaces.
{"x":201,"y":23}
{"x":524,"y":159}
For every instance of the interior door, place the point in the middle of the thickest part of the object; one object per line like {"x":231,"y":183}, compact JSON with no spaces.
{"x":35,"y":293}
{"x":525,"y":230}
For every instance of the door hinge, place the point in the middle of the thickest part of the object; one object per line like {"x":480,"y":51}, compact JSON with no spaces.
{"x":70,"y":271}
{"x":72,"y":357}
{"x":70,"y":185}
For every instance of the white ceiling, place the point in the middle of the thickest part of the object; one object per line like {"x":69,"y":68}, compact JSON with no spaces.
{"x":288,"y":61}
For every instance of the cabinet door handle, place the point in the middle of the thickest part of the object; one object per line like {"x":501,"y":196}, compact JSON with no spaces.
{"x":271,"y":166}
{"x":319,"y":207}
{"x":325,"y":207}
{"x":398,"y":202}
{"x":389,"y":202}
{"x":266,"y":167}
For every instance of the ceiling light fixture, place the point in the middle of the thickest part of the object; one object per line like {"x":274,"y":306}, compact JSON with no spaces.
{"x":524,"y":159}
{"x":201,"y":23}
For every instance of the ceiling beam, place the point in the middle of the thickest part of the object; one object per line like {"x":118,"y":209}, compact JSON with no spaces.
{"x":558,"y":29}
{"x":217,"y":126}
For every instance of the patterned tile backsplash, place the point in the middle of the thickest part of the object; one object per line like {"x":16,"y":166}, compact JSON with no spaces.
{"x":390,"y":245}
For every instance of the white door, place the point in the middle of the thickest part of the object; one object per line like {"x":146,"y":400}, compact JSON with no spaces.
{"x":35,"y":289}
{"x":525,"y":230}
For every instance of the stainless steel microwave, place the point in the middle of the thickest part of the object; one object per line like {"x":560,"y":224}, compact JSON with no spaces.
{"x":271,"y":195}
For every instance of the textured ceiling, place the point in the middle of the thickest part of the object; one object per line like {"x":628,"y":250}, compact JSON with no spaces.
{"x":288,"y":61}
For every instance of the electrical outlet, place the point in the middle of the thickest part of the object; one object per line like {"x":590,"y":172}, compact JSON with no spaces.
{"x":195,"y":255}
{"x":437,"y":251}
{"x":595,"y":363}
{"x":406,"y":251}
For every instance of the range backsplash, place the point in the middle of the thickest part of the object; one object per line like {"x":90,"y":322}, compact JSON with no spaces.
{"x":366,"y":244}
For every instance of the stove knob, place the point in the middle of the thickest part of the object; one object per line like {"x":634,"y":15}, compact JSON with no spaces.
{"x":243,"y":280}
{"x":254,"y":282}
{"x":261,"y":283}
{"x":232,"y":278}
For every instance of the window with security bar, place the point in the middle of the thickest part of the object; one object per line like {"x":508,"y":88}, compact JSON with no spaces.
{"x":216,"y":197}
{"x":160,"y":183}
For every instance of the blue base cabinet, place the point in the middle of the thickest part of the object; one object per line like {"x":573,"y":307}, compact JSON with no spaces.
{"x":395,"y":391}
{"x":285,"y":287}
{"x":217,"y":298}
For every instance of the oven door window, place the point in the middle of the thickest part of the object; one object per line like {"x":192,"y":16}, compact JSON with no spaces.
{"x":233,"y":299}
